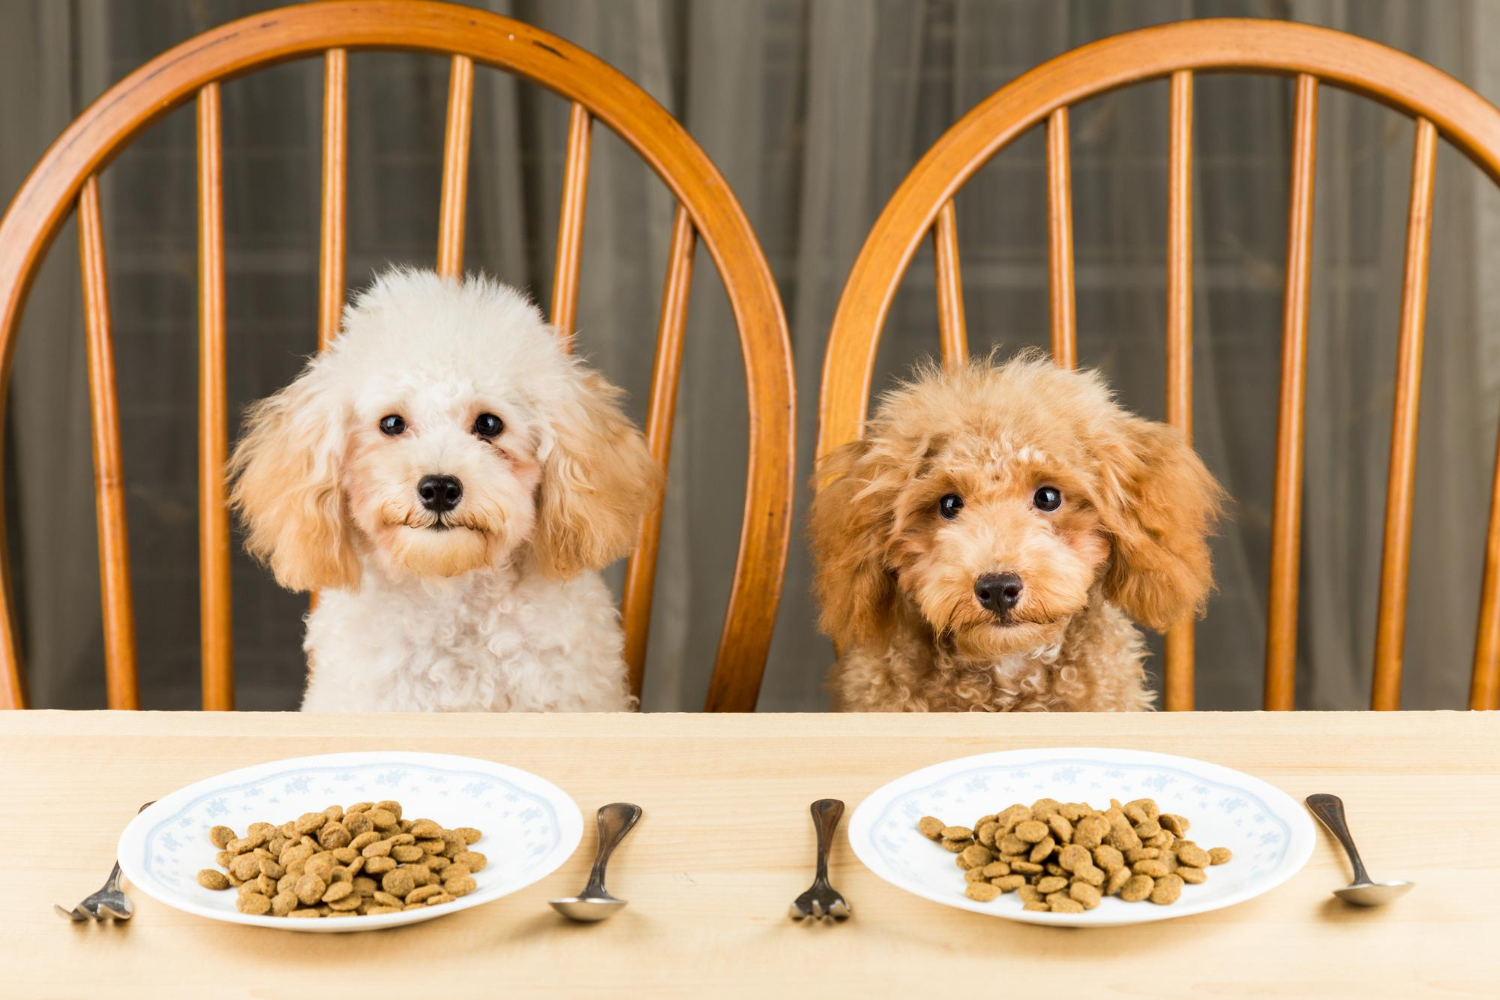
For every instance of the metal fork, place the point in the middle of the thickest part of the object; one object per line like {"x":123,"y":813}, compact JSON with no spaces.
{"x":107,"y":902}
{"x":822,"y":900}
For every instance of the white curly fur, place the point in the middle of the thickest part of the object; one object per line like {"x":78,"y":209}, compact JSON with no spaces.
{"x":496,"y":605}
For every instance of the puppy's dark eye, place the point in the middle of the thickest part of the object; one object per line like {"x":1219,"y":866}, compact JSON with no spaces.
{"x":950,"y":505}
{"x":1048,"y":498}
{"x":392,"y":424}
{"x":487,"y":425}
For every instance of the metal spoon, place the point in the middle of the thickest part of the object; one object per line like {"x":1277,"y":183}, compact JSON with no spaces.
{"x":1361,"y":892}
{"x":594,"y":903}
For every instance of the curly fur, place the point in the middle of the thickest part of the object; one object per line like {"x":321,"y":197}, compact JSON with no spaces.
{"x":896,"y":579}
{"x":497,"y":604}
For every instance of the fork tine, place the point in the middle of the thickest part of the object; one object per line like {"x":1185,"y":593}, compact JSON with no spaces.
{"x":110,"y":899}
{"x":116,"y":914}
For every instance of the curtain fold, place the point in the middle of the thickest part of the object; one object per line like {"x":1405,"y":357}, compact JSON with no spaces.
{"x":814,"y":110}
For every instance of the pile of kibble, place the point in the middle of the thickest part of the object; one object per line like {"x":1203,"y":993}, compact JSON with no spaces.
{"x":359,"y":861}
{"x":1066,"y":857}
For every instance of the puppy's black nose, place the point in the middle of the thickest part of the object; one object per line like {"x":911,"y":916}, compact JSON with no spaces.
{"x":998,"y":592}
{"x":440,"y":493}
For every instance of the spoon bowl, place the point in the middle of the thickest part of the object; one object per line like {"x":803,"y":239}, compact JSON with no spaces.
{"x":1373,"y":893}
{"x":588,"y":910}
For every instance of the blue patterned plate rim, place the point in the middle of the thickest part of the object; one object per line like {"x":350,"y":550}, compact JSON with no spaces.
{"x":1297,"y":841}
{"x":137,"y":841}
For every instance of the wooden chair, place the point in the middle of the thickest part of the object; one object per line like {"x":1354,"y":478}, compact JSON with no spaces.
{"x":67,"y":176}
{"x":923,"y":203}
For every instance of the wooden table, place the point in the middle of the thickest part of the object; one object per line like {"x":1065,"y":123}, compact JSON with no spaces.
{"x":726,"y":844}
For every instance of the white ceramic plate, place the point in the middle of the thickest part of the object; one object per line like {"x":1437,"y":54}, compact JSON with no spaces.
{"x":1270,"y":834}
{"x":530,"y":825}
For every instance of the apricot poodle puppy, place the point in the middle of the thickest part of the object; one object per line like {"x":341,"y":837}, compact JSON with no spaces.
{"x":988,"y":542}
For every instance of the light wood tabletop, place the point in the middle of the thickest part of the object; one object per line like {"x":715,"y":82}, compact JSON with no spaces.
{"x":726,"y":843}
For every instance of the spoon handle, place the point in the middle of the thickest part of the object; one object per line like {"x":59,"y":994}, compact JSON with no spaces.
{"x":1330,"y":810}
{"x":615,"y":821}
{"x":826,"y":814}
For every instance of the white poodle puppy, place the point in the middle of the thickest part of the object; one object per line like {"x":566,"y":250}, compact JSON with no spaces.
{"x":449,"y":480}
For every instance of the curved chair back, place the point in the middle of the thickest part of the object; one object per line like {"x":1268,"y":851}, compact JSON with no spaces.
{"x":923,"y":204}
{"x":66,"y":179}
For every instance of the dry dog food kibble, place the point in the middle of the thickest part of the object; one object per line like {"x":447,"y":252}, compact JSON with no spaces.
{"x":363,"y":860}
{"x":1059,"y":857}
{"x":210,"y":879}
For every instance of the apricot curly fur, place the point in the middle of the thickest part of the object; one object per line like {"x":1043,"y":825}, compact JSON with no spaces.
{"x":896,"y":579}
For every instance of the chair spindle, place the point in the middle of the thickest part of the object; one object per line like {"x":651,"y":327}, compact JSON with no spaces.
{"x":950,"y":290}
{"x":450,"y":259}
{"x":640,"y":571}
{"x":213,"y":438}
{"x":121,"y":682}
{"x":570,"y":223}
{"x":1060,"y":239}
{"x":1286,"y":507}
{"x":1178,"y":659}
{"x":335,"y":174}
{"x":1390,"y":627}
{"x":1484,"y":683}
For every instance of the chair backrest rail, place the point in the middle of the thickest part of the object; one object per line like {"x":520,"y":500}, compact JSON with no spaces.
{"x":640,"y":571}
{"x":121,"y":684}
{"x":1060,"y":240}
{"x":1390,"y":630}
{"x":455,"y":196}
{"x":331,"y":253}
{"x":952,"y":330}
{"x":213,"y":435}
{"x":1178,"y":683}
{"x":1286,"y":504}
{"x":570,"y":223}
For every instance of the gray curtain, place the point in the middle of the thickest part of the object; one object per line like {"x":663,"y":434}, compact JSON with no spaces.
{"x":814,"y":110}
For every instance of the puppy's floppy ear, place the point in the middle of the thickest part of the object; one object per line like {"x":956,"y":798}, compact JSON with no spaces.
{"x":1160,"y":505}
{"x":286,"y":486}
{"x":850,"y":523}
{"x":598,"y":479}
